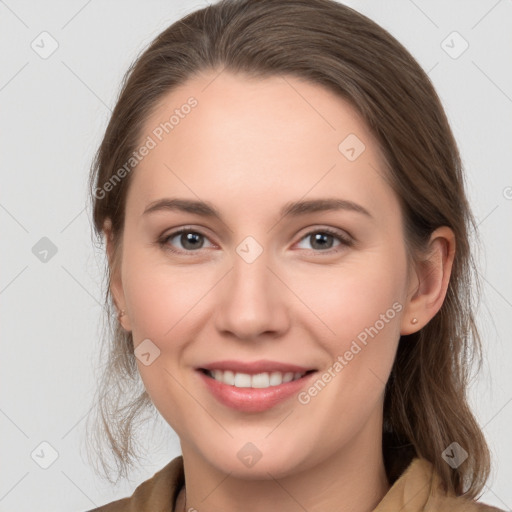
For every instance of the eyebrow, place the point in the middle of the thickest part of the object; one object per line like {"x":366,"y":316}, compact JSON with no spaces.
{"x":293,"y":208}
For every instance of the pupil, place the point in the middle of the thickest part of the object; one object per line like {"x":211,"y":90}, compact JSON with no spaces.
{"x":189,"y":238}
{"x":318,"y":237}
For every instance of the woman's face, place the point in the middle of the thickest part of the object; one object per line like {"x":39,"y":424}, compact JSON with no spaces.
{"x":268,"y":279}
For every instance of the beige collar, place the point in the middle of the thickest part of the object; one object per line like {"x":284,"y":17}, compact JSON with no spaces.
{"x":418,"y":489}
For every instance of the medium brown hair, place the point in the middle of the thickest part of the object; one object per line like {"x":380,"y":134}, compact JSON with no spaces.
{"x":329,"y":44}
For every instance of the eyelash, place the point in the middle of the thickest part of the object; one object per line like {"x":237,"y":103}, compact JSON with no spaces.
{"x":344,"y":241}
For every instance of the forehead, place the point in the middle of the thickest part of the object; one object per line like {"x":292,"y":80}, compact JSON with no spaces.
{"x":233,"y":136}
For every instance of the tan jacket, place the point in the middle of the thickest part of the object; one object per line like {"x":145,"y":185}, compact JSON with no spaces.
{"x":416,"y":490}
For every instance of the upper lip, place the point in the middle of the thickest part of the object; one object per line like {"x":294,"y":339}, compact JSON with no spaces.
{"x":254,"y":367}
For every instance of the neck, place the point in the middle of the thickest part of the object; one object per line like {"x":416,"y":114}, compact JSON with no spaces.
{"x":351,"y":479}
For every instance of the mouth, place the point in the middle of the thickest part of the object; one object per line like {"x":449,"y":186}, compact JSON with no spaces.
{"x":260,"y":380}
{"x":254,"y":386}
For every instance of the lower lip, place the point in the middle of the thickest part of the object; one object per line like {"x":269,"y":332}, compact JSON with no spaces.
{"x":253,"y":399}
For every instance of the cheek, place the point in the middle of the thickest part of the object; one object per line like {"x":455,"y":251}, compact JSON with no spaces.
{"x":161,"y":300}
{"x":359,"y":307}
{"x":159,"y":296}
{"x":152,"y":309}
{"x":345,"y":300}
{"x":367,"y":327}
{"x":363,"y":314}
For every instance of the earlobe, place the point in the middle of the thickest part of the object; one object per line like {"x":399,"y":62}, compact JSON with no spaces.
{"x":115,"y":283}
{"x":122,"y":321}
{"x":432,"y":278}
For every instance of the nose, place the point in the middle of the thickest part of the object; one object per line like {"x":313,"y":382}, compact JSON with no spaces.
{"x":252,"y":301}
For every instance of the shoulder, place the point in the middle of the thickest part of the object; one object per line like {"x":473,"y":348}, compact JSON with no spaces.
{"x":458,"y":504}
{"x":156,"y":494}
{"x":419,"y":489}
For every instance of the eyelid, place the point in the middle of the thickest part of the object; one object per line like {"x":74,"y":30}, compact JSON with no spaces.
{"x":165,"y":237}
{"x":337,"y":232}
{"x":345,"y":240}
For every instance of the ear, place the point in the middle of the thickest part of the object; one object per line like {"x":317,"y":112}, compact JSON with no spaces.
{"x":429,"y":281}
{"x":116,"y":285}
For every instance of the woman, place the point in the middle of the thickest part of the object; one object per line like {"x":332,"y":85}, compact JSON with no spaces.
{"x":328,"y":377}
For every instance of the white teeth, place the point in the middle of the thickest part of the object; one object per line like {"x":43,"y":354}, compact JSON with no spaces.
{"x":229,"y":377}
{"x":242,"y":380}
{"x":276,"y":378}
{"x":259,"y":380}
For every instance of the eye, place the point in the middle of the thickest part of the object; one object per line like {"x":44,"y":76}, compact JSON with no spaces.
{"x":189,"y":239}
{"x":322,"y":240}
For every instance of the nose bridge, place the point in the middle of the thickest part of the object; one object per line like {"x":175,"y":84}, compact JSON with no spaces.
{"x":251,"y":301}
{"x":250,"y":274}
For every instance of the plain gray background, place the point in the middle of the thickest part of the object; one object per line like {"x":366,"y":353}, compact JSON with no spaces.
{"x":53,"y":113}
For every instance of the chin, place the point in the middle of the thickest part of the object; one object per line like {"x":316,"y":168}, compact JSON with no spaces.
{"x":252,"y":461}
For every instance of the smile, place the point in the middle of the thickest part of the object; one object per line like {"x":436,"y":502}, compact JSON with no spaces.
{"x":254,"y":392}
{"x":259,"y":380}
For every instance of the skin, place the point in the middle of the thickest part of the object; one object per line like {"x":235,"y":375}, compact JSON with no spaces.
{"x":249,"y":147}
